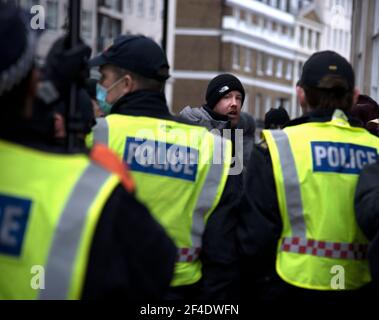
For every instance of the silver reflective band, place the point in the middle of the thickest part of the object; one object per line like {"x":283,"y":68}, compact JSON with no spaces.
{"x":291,"y":183}
{"x":208,"y":193}
{"x":61,"y":260}
{"x":101,"y":131}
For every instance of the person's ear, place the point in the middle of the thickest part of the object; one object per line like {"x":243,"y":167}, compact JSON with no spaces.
{"x":59,"y":126}
{"x":302,"y":99}
{"x":300,"y":93}
{"x":130,"y":84}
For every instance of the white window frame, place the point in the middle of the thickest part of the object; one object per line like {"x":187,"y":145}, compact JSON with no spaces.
{"x":247,"y":67}
{"x":86,"y":24}
{"x":268,"y":105}
{"x":289,"y":70}
{"x":129,"y":7}
{"x":258,"y":105}
{"x":246,"y":103}
{"x":236,"y":57}
{"x":260,"y":64}
{"x":237,"y":15}
{"x":55,"y":24}
{"x":279,"y":68}
{"x":141,"y":8}
{"x":269,"y":66}
{"x":153,"y":9}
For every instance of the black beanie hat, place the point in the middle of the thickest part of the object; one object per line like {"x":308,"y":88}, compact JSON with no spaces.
{"x":220,"y":86}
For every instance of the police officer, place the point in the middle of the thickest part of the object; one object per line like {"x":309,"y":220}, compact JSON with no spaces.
{"x":68,"y":225}
{"x":299,"y":238}
{"x":180,"y":170}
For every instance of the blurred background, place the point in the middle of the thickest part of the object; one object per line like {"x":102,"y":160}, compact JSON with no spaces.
{"x":264,"y":43}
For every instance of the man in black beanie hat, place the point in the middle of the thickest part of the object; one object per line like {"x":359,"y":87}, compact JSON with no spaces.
{"x":224,"y":99}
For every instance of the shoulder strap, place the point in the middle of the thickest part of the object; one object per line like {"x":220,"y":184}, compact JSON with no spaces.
{"x":106,"y":158}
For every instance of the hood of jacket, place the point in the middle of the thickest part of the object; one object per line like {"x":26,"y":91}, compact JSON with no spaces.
{"x":204,"y":117}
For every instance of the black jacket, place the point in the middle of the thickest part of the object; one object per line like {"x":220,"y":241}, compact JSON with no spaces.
{"x":260,"y":227}
{"x":131,"y":257}
{"x":219,"y":251}
{"x":367,"y":212}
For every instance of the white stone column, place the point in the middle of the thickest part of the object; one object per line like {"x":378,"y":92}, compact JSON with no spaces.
{"x":305,"y":38}
{"x":314,"y":40}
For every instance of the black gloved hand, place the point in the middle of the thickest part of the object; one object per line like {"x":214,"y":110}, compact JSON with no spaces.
{"x":66,"y":66}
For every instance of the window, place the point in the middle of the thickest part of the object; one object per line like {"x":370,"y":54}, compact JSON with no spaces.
{"x":260,"y":63}
{"x":267,"y":104}
{"x":269,"y":66}
{"x":318,"y":39}
{"x":86,"y":24}
{"x":249,"y":19}
{"x":289,"y":71}
{"x":52,"y":15}
{"x":279,"y":68}
{"x":247,"y":60}
{"x":236,"y":56}
{"x":283,"y":5}
{"x":375,"y":57}
{"x":300,"y":69}
{"x":237,"y":15}
{"x":258,"y":106}
{"x":152,"y":9}
{"x":376,"y":19}
{"x":301,"y":40}
{"x":109,"y":29}
{"x":140,"y":8}
{"x":112,"y":4}
{"x":246,"y":103}
{"x":129,"y":7}
{"x":261,"y":22}
{"x":274,"y":3}
{"x":310,"y":37}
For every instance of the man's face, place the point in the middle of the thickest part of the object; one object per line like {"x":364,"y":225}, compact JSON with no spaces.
{"x":110,"y":78}
{"x":230,"y":105}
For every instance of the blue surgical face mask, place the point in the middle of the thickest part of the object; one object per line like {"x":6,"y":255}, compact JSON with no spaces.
{"x":101,"y":97}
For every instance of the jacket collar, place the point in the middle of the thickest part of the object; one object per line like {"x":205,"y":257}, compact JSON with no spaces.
{"x":321,"y":116}
{"x":143,"y":103}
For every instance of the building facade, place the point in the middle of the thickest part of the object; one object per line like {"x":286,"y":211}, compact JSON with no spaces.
{"x":264,"y":43}
{"x":365,"y":46}
{"x":101,"y":20}
{"x":336,"y":17}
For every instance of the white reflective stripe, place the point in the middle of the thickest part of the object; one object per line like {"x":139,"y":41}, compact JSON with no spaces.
{"x":291,"y":183}
{"x":208,"y":193}
{"x":101,"y":131}
{"x":67,"y":237}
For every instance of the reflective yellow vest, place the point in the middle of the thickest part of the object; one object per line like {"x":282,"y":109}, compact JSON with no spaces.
{"x":180,"y":172}
{"x":49,"y":207}
{"x":316,"y":168}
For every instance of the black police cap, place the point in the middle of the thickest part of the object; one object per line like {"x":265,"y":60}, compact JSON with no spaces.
{"x":138,"y":54}
{"x":326,"y":63}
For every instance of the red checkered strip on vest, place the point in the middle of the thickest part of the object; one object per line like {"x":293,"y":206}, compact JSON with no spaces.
{"x":188,"y":254}
{"x":335,"y":250}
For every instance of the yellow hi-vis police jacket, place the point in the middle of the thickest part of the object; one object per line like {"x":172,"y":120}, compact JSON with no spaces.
{"x":49,"y":207}
{"x":316,"y":168}
{"x":180,"y":172}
